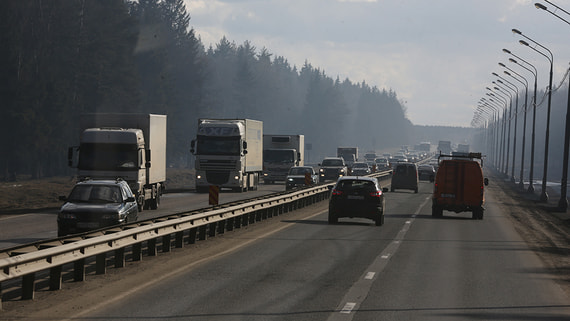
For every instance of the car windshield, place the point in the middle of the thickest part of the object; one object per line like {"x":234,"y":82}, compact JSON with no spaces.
{"x":332,"y":162}
{"x":352,"y":185}
{"x":95,"y":193}
{"x":299,"y":171}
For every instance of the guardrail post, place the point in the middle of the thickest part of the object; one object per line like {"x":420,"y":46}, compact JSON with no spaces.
{"x":231,"y":222}
{"x":120,"y":258}
{"x":202,"y":232}
{"x":137,"y":252}
{"x":212,"y":229}
{"x":151,"y":247}
{"x":166,"y":243}
{"x":28,"y":282}
{"x":179,"y":239}
{"x":101,"y":263}
{"x":221,"y":227}
{"x":192,"y":235}
{"x":79,"y":270}
{"x":54,"y":278}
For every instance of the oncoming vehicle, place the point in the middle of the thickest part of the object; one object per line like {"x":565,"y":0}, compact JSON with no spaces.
{"x":357,"y":197}
{"x":460,"y":186}
{"x":332,"y":168}
{"x":360,"y":169}
{"x":405,"y":176}
{"x":301,"y":176}
{"x":94,"y":204}
{"x":382,"y":163}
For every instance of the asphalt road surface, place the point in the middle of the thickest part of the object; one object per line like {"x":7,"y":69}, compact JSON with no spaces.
{"x":298,"y":267}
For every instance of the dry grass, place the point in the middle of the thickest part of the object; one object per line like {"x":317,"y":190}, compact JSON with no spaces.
{"x":32,"y":194}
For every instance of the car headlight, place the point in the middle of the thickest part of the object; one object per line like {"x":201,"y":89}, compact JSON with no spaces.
{"x":322,"y":170}
{"x":290,"y":180}
{"x":341,"y":170}
{"x":67,"y":216}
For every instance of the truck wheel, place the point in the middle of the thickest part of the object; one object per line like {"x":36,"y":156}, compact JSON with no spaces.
{"x":416,"y":190}
{"x":436,"y":211}
{"x":477,"y":214}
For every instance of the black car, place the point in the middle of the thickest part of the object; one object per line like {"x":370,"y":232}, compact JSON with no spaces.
{"x":357,"y":197}
{"x":360,"y":169}
{"x":332,"y":168}
{"x":297,"y":176}
{"x":94,"y":204}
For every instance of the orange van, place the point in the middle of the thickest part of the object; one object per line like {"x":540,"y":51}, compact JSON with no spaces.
{"x":459,"y":185}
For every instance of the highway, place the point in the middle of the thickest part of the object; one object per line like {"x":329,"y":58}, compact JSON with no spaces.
{"x":298,"y":267}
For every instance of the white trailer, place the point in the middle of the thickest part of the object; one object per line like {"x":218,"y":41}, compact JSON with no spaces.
{"x":124,"y":146}
{"x":280,"y":153}
{"x":229,"y":154}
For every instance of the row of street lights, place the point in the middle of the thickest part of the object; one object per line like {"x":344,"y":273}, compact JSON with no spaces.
{"x":501,"y":99}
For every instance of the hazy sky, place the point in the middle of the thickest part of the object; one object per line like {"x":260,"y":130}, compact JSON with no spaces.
{"x":437,"y":55}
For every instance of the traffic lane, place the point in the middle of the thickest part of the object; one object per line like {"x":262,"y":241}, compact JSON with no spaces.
{"x":26,"y":228}
{"x":457,"y":268}
{"x":299,"y":269}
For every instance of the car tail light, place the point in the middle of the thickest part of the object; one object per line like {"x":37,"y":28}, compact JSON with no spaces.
{"x":376,"y":194}
{"x":336,"y":192}
{"x":435,"y":187}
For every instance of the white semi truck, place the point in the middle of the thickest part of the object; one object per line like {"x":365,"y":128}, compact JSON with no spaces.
{"x":229,"y":154}
{"x":127,"y":146}
{"x":280,"y":153}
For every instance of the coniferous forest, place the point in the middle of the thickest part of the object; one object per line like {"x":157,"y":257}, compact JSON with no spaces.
{"x":62,"y":58}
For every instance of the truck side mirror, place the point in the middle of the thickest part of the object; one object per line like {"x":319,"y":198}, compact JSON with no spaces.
{"x":486,"y":180}
{"x":192,"y":145}
{"x":147,"y":156}
{"x":244,"y":146}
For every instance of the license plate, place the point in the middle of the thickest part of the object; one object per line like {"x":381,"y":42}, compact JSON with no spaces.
{"x":355,"y":197}
{"x":448,"y":195}
{"x":87,"y":224}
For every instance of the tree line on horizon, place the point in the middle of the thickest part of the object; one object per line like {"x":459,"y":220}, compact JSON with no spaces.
{"x":63,"y":58}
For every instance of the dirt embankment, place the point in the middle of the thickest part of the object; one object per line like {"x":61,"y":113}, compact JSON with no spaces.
{"x":24,"y":194}
{"x":546,"y":231}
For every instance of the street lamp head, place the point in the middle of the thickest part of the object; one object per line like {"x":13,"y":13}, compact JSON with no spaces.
{"x":507,"y":73}
{"x":516,"y":31}
{"x":540,"y":6}
{"x":499,"y":80}
{"x":507,"y":51}
{"x":524,"y":43}
{"x":494,"y":74}
{"x":513,"y":61}
{"x":502,"y":65}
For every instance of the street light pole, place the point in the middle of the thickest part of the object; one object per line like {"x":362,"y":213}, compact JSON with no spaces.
{"x":533,"y":134}
{"x":563,"y":202}
{"x":515,"y":89}
{"x":499,"y":94}
{"x":503,"y":90}
{"x":543,"y":194}
{"x":525,"y":84}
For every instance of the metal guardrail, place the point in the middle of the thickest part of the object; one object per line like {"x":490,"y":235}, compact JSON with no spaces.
{"x":144,"y":237}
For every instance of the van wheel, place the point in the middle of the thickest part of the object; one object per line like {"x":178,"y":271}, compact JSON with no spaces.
{"x":478,"y":214}
{"x":436,"y":211}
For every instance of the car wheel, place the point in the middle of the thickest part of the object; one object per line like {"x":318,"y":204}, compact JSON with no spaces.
{"x":332,"y":218}
{"x":380,"y":220}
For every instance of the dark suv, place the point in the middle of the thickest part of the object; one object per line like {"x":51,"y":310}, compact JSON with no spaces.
{"x":332,"y":168}
{"x":359,"y":196}
{"x":94,"y":204}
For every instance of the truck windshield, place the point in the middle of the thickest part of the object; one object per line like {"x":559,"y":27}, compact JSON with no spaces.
{"x":218,"y":145}
{"x":108,"y":157}
{"x":278,"y":156}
